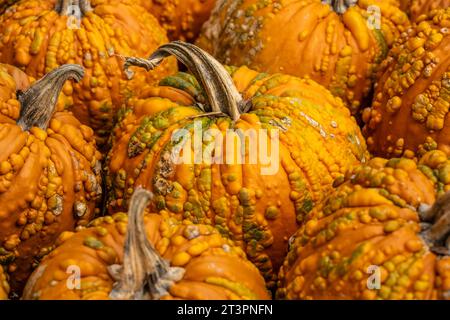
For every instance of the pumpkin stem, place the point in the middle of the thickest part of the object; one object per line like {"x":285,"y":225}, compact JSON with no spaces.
{"x":75,"y":8}
{"x":144,"y":274}
{"x":38,"y":102}
{"x":219,"y":87}
{"x":340,"y":6}
{"x":437,"y":234}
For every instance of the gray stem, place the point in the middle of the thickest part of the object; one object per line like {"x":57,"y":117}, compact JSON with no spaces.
{"x":39,"y":101}
{"x":219,"y":87}
{"x":438,"y":233}
{"x":144,"y":274}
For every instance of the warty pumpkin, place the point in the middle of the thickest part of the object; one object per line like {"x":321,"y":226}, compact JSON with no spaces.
{"x":328,"y":41}
{"x":50,"y":172}
{"x":38,"y":36}
{"x":382,"y":234}
{"x":4,"y":285}
{"x":145,"y":256}
{"x":409,"y":112}
{"x":182,"y":19}
{"x":255,"y":202}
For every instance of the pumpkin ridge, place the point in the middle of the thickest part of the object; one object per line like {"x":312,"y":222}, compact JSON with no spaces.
{"x":243,"y":204}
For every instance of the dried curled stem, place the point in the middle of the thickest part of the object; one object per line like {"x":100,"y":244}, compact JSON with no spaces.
{"x":144,"y":274}
{"x":437,"y":232}
{"x":73,"y":7}
{"x":39,"y":101}
{"x":222,"y":95}
{"x":340,"y":6}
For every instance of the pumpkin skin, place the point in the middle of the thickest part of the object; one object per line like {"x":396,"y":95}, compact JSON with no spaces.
{"x":337,"y":51}
{"x":319,"y":141}
{"x":38,"y":39}
{"x":4,"y":285}
{"x":182,"y":19}
{"x":420,"y":7}
{"x":50,"y":180}
{"x":214,"y":268}
{"x":409,"y":113}
{"x":371,"y":219}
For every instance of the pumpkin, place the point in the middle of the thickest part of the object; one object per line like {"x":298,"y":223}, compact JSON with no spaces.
{"x":50,"y":172}
{"x":145,"y":256}
{"x":38,"y":36}
{"x":382,"y":234}
{"x":409,"y":112}
{"x":182,"y":19}
{"x":308,"y":134}
{"x":4,"y":286}
{"x":420,"y":7}
{"x":329,"y":42}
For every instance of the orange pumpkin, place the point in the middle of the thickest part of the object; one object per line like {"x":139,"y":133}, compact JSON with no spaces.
{"x":182,"y":19}
{"x":420,"y":7}
{"x":4,"y":285}
{"x":38,"y":36}
{"x":4,"y":4}
{"x":50,"y":179}
{"x":254,"y":202}
{"x":409,"y":113}
{"x":416,"y":8}
{"x":382,"y":234}
{"x":331,"y":43}
{"x":189,"y":262}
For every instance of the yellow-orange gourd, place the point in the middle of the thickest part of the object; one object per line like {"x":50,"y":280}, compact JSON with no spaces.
{"x":253,"y":200}
{"x":4,"y":285}
{"x":372,"y":238}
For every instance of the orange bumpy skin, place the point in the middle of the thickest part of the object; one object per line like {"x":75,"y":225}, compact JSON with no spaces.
{"x":319,"y":141}
{"x":304,"y":38}
{"x":371,"y":220}
{"x":4,"y":4}
{"x":420,"y":7}
{"x":182,"y":19}
{"x":50,"y":181}
{"x":37,"y":39}
{"x":214,"y":267}
{"x":4,"y":285}
{"x":409,"y":113}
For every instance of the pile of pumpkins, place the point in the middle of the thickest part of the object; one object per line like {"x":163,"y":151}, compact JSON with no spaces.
{"x":96,"y":204}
